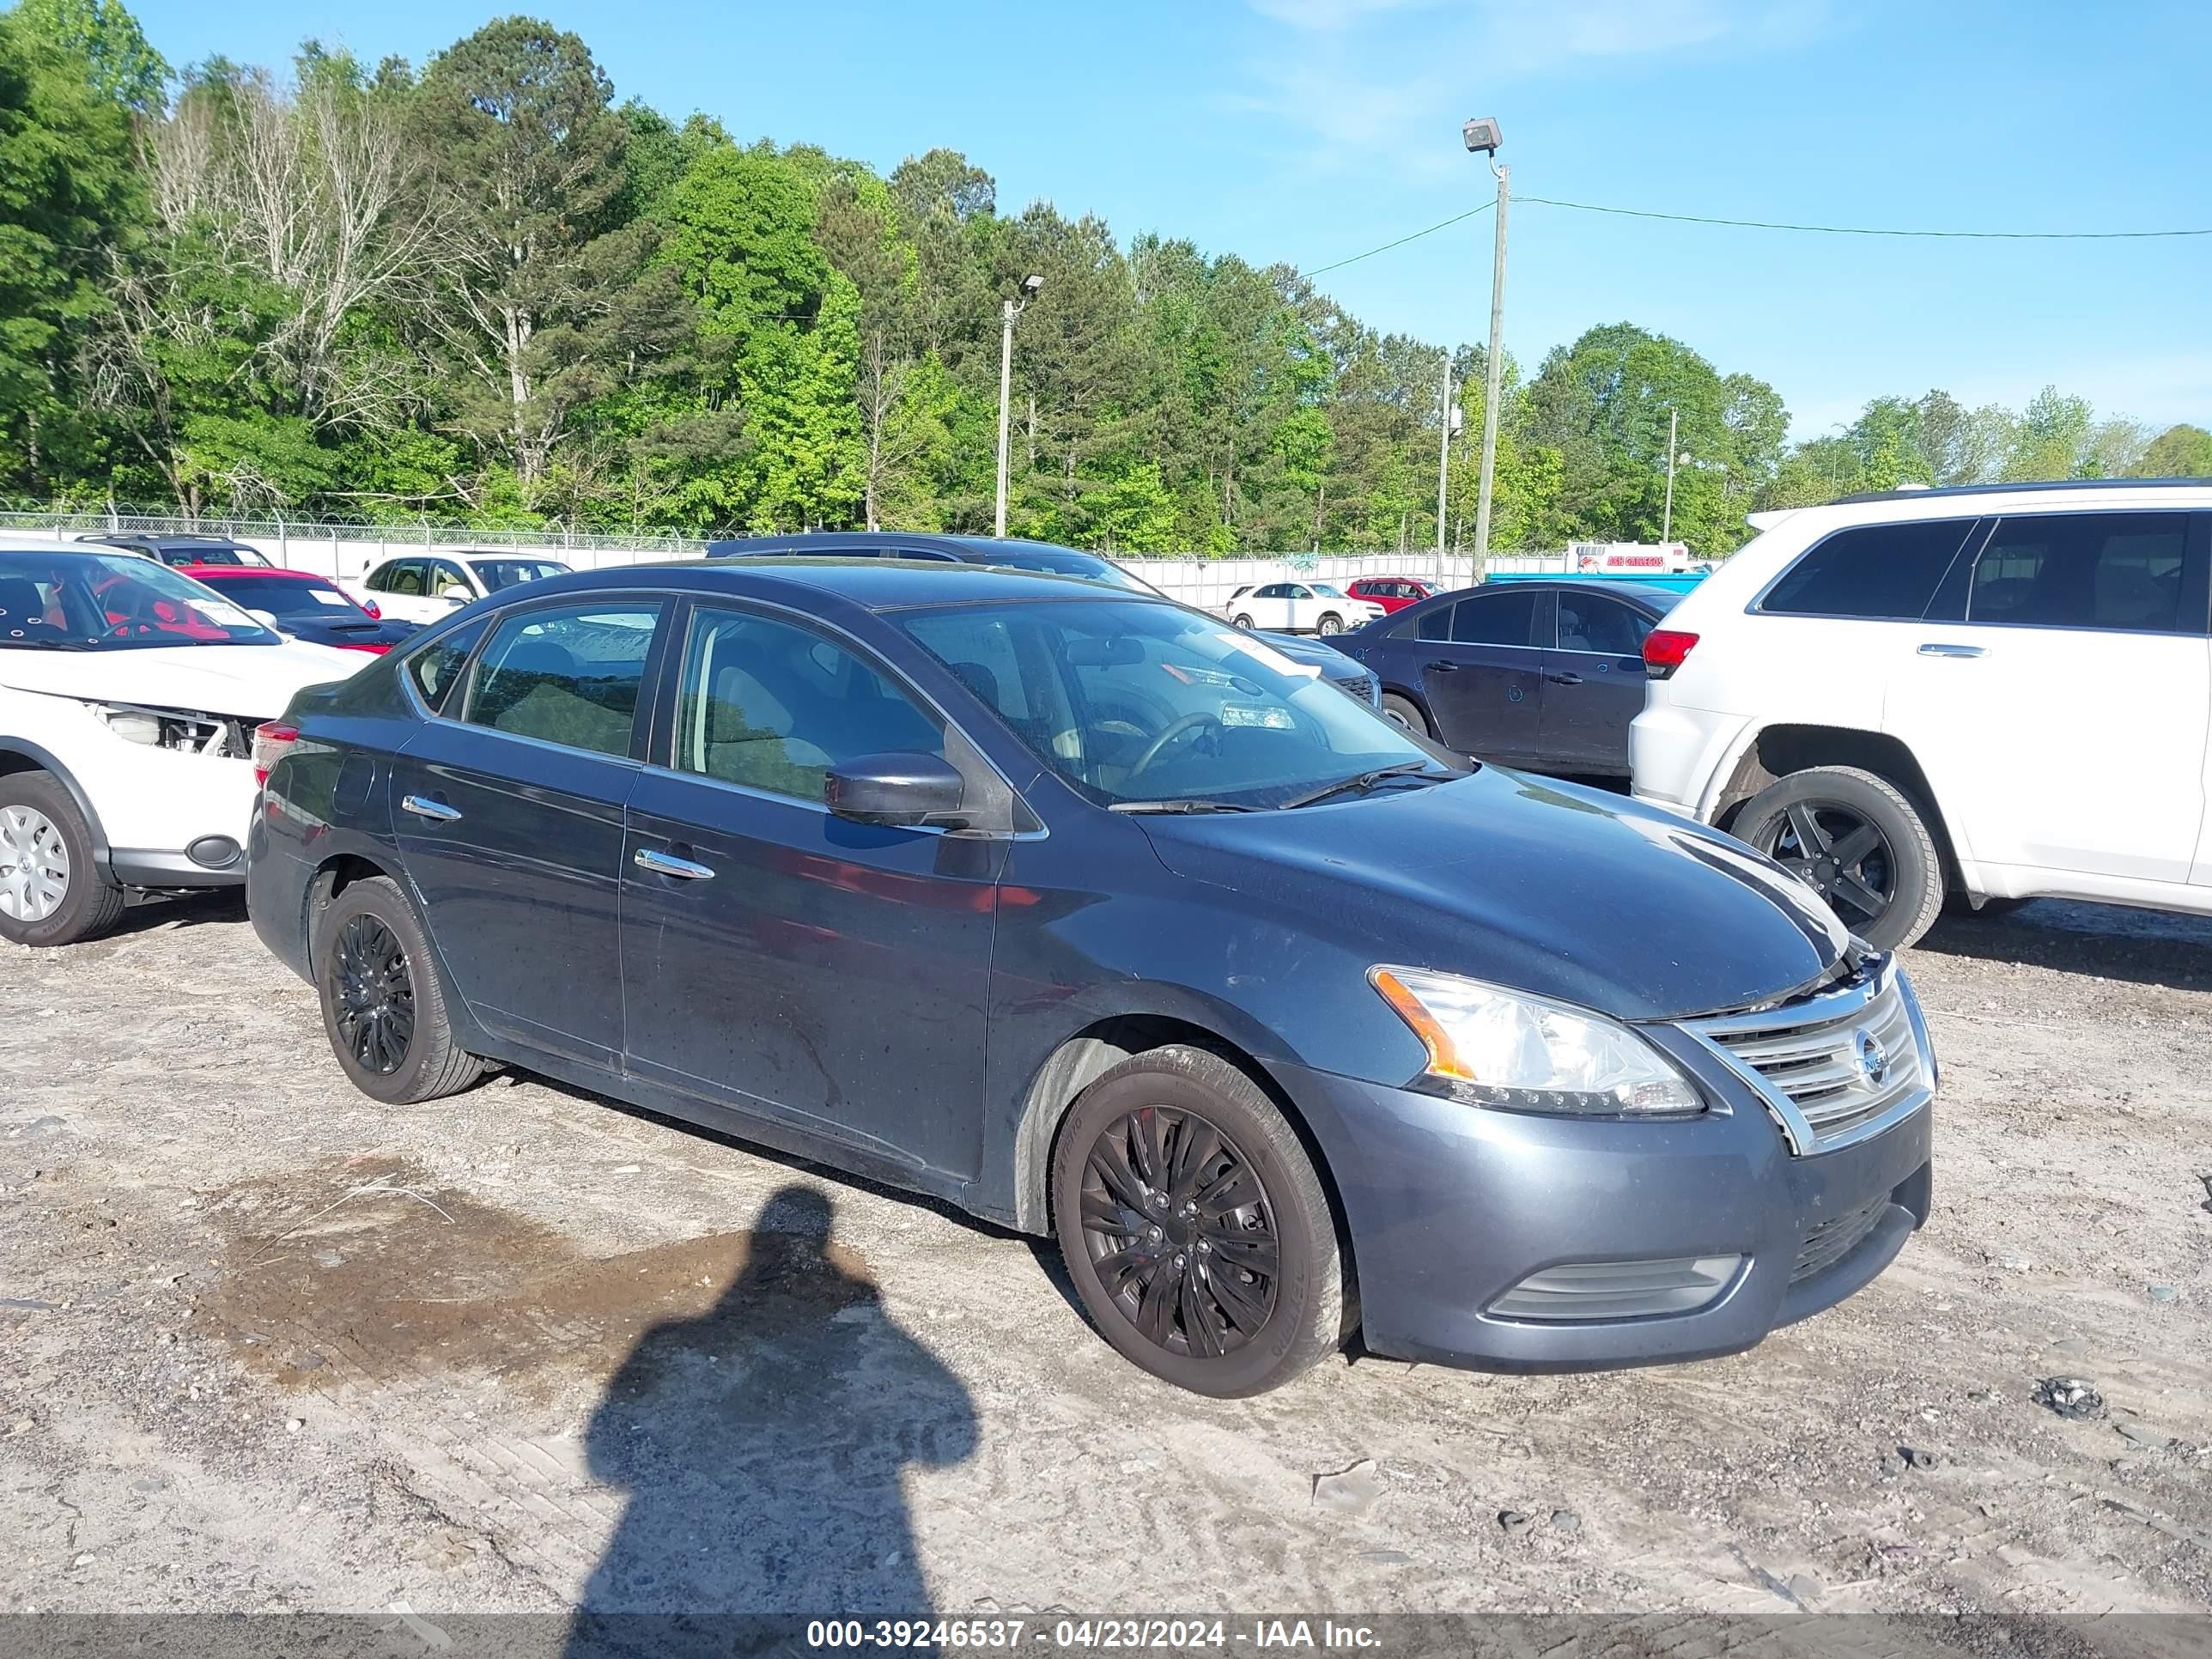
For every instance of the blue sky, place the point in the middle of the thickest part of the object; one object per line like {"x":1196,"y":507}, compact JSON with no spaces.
{"x":1310,"y":130}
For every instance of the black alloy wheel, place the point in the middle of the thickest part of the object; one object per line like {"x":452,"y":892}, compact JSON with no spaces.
{"x":1180,"y":1231}
{"x":374,"y":995}
{"x":1838,"y":855}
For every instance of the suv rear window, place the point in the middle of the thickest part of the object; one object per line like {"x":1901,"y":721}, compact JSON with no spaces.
{"x":1886,"y":572}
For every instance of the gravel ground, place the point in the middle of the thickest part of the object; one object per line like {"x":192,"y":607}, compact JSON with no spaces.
{"x":273,"y":1346}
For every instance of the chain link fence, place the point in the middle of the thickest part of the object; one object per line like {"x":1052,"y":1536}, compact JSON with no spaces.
{"x":344,"y":551}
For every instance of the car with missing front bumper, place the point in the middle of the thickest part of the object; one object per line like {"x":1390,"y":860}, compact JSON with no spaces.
{"x":1096,"y":917}
{"x":130,"y":697}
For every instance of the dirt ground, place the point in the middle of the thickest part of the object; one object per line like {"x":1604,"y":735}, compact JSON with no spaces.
{"x":269,"y":1345}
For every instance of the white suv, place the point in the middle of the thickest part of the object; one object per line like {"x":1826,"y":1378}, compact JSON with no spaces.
{"x":1998,"y":692}
{"x":128,"y":700}
{"x":1297,"y":608}
{"x":426,"y":587}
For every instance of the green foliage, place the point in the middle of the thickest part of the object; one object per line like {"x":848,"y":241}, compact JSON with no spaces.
{"x":125,"y":68}
{"x":2179,"y":452}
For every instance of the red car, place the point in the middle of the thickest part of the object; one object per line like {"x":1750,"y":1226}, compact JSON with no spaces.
{"x":1391,"y":593}
{"x":307,"y":606}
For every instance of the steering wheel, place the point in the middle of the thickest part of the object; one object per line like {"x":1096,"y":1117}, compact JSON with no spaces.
{"x":1176,"y":729}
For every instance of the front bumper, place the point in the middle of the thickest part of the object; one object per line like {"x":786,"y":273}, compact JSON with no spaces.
{"x":1449,"y":1206}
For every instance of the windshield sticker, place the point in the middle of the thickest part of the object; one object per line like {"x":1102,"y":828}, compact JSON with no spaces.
{"x":330,"y":597}
{"x":1256,"y":716}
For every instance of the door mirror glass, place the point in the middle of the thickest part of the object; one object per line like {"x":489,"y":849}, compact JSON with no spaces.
{"x":904,"y":787}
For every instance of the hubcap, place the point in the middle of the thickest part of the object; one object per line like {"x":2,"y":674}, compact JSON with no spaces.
{"x":374,"y":995}
{"x":1839,"y":855}
{"x":1181,"y":1231}
{"x":34,"y":865}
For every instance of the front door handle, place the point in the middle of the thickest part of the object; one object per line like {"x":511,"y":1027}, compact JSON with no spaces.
{"x":667,"y":864}
{"x":1565,"y":679}
{"x":424,"y":807}
{"x":1935,"y":649}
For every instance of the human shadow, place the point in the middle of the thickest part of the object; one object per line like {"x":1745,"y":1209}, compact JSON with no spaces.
{"x":2141,"y":947}
{"x":763,"y":1445}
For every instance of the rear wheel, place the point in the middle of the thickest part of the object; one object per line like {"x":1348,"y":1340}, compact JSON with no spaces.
{"x":50,"y":891}
{"x":1405,"y":712}
{"x":1329,"y":624}
{"x":1195,"y":1227}
{"x":1242,"y":622}
{"x":383,"y":1009}
{"x":1859,"y":843}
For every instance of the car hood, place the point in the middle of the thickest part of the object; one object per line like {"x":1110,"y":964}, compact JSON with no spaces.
{"x":238,"y":680}
{"x":1332,"y":663}
{"x":1533,"y":884}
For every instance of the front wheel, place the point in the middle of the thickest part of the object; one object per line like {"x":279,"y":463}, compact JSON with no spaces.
{"x":1403,"y":711}
{"x":1329,"y":624}
{"x":383,"y":1009}
{"x":50,"y":891}
{"x":1195,"y":1226}
{"x":1857,"y":841}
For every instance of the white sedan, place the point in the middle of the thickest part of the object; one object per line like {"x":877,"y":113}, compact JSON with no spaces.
{"x":1297,"y":608}
{"x":422,"y":588}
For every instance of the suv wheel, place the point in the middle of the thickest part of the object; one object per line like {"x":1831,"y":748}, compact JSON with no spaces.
{"x":1242,"y":622}
{"x":1857,"y":841}
{"x":1403,"y":711}
{"x":1195,"y":1226}
{"x":1330,"y":622}
{"x":50,"y":891}
{"x":383,"y":1010}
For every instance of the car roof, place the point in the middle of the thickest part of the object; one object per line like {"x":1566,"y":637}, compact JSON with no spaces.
{"x":873,"y":584}
{"x":2029,"y":487}
{"x":966,"y":548}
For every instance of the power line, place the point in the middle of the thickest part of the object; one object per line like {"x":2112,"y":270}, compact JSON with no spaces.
{"x":1862,"y":230}
{"x":1442,"y":225}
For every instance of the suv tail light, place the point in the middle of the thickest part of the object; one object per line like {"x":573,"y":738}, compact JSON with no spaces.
{"x":1664,"y":651}
{"x":273,"y":741}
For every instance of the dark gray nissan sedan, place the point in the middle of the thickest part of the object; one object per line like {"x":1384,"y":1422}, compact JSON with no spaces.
{"x":1096,"y":917}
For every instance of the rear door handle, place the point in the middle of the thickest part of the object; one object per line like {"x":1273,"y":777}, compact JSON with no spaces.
{"x":1934,"y":648}
{"x":424,"y":807}
{"x":667,"y":864}
{"x":1443,"y":667}
{"x":1565,"y":679}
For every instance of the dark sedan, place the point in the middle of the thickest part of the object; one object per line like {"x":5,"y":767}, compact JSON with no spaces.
{"x":1078,"y":909}
{"x":305,"y":605}
{"x":1546,"y":675}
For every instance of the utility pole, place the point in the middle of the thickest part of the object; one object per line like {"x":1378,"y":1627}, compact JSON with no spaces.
{"x":1443,"y":462}
{"x":1667,"y":518}
{"x":1011,"y":310}
{"x":1497,"y":376}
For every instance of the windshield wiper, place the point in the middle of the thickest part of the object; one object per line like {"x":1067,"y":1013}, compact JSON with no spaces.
{"x":1181,"y":806}
{"x":46,"y":645}
{"x":1365,"y":780}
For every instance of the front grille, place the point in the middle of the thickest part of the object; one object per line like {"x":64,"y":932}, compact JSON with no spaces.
{"x":1835,"y":1067}
{"x":1829,"y":1242}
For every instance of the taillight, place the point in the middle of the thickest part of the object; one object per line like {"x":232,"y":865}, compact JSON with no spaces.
{"x":1664,"y":651}
{"x":369,"y":605}
{"x":273,"y":741}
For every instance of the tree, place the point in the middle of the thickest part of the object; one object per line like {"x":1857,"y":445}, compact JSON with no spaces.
{"x":2179,"y":452}
{"x":124,"y":66}
{"x":68,"y":198}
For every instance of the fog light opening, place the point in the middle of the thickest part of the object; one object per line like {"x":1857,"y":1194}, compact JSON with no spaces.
{"x":1580,"y":1291}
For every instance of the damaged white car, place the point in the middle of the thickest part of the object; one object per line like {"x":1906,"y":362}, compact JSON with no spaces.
{"x":130,"y":700}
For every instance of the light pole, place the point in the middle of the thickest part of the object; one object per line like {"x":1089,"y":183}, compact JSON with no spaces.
{"x":1483,"y":136}
{"x":1447,"y":418}
{"x":1667,"y":516}
{"x":1012,"y":309}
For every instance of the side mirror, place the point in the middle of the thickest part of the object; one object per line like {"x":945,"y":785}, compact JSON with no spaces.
{"x":267,"y":619}
{"x":455,"y":595}
{"x":903,"y":787}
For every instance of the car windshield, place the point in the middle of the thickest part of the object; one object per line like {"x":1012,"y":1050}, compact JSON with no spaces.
{"x":113,"y":602}
{"x":1143,"y":702}
{"x":212,"y":553}
{"x":1089,"y":566}
{"x":289,"y":597}
{"x":495,"y":574}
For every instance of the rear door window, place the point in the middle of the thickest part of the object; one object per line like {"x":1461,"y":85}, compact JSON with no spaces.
{"x":568,"y":676}
{"x":1507,"y":618}
{"x":2120,"y":572}
{"x":1885,"y":572}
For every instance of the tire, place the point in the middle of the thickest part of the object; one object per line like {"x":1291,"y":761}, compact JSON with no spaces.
{"x":1405,"y":713}
{"x":386,"y":1021}
{"x":1242,"y":622}
{"x":50,"y":891}
{"x":1224,"y":1334}
{"x":1330,"y":622}
{"x":1810,"y":817}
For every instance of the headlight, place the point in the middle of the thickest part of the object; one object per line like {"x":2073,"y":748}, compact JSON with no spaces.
{"x":1492,"y":1047}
